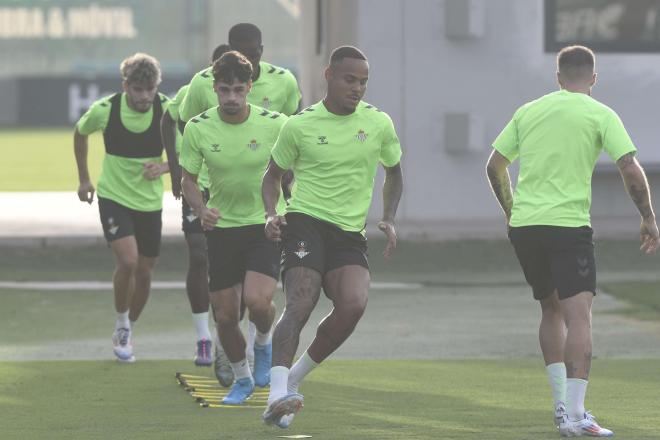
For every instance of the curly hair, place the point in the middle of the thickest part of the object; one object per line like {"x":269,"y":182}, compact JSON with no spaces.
{"x":141,"y":68}
{"x":232,"y":66}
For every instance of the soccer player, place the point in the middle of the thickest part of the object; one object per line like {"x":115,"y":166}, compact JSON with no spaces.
{"x":273,"y":88}
{"x":197,"y":276}
{"x":557,"y":139}
{"x":130,"y":188}
{"x":334,"y":148}
{"x":234,"y":139}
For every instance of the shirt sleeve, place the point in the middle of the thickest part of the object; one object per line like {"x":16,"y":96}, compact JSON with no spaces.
{"x":285,"y":151}
{"x":293,"y":95}
{"x":193,"y":103}
{"x":507,"y":142}
{"x":95,"y":118}
{"x":191,"y":157}
{"x":390,"y":150}
{"x":616,"y":141}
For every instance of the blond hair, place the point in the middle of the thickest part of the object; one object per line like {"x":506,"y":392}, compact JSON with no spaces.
{"x":141,"y":68}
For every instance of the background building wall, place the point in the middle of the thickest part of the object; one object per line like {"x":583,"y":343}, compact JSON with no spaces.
{"x":450,"y":96}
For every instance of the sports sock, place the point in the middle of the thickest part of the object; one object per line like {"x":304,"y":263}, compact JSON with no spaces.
{"x":279,"y":376}
{"x":122,"y":321}
{"x":303,"y":366}
{"x":201,"y":321}
{"x":557,"y":378}
{"x":576,"y":389}
{"x":133,"y":324}
{"x":241,"y":369}
{"x":262,"y":339}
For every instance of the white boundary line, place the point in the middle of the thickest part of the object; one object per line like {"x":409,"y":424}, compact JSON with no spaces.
{"x":158,"y":285}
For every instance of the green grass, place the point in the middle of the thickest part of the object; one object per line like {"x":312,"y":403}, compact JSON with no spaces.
{"x":495,"y":400}
{"x":43,"y":160}
{"x":643,"y":299}
{"x":454,"y":262}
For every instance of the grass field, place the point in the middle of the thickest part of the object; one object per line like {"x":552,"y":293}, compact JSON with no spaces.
{"x":495,"y":400}
{"x":43,"y":160}
{"x":502,"y":398}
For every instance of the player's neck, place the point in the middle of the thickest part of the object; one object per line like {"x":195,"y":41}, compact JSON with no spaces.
{"x":335,"y":108}
{"x":238,"y":118}
{"x":577,"y":88}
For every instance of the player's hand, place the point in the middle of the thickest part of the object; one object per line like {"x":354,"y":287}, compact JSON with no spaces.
{"x":86,"y":192}
{"x":273,"y":227}
{"x":152,"y":170}
{"x":209,"y":218}
{"x":648,"y":233}
{"x":176,"y":182}
{"x":388,"y":228}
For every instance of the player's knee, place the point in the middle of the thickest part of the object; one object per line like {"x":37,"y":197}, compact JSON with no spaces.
{"x":127,"y":263}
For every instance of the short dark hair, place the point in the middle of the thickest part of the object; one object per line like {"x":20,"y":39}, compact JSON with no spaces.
{"x":219,"y":51}
{"x":232,"y":66}
{"x":342,"y":52}
{"x":244,"y":32}
{"x":576,"y":62}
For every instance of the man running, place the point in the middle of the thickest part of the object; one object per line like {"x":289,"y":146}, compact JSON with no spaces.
{"x":234,"y":139}
{"x":557,"y":139}
{"x":130,"y":188}
{"x":334,"y":148}
{"x":273,"y":88}
{"x":197,"y":276}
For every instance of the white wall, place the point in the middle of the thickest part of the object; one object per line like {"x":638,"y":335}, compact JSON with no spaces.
{"x":418,"y":74}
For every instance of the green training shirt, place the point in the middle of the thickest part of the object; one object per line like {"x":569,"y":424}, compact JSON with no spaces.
{"x":558,"y":139}
{"x":173,"y":109}
{"x":276,"y":89}
{"x":334,"y":159}
{"x":121,"y":178}
{"x":237,"y":156}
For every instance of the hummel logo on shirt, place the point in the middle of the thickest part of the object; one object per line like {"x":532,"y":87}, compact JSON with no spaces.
{"x":323,"y":140}
{"x":215,"y":148}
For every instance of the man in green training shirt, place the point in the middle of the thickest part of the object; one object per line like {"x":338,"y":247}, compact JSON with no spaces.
{"x":197,"y":276}
{"x":130,"y":188}
{"x":558,"y":139}
{"x":273,"y":88}
{"x":334,"y":148}
{"x":234,"y":139}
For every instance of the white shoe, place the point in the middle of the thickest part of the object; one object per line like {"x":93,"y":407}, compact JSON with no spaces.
{"x":560,"y":414}
{"x":121,"y":345}
{"x":587,"y":427}
{"x":221,"y":364}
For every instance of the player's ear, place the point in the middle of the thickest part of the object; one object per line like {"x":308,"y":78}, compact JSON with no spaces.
{"x":328,"y":73}
{"x":124,"y":86}
{"x":249,"y":85}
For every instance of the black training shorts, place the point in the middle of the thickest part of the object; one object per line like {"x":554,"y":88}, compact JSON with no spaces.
{"x":554,"y":257}
{"x":118,"y":221}
{"x":190,"y":223}
{"x":233,"y":251}
{"x":319,"y":245}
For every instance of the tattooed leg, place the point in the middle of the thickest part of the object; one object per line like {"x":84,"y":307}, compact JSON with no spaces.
{"x":302,"y":288}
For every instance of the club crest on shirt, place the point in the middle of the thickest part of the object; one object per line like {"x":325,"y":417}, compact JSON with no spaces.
{"x":361,"y":136}
{"x":253,"y":144}
{"x":302,"y":250}
{"x":215,"y":148}
{"x":265,"y":103}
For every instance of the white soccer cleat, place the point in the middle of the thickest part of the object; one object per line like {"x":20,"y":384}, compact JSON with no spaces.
{"x":282,"y":407}
{"x":587,"y":427}
{"x":221,"y":364}
{"x":121,"y":345}
{"x":560,"y":414}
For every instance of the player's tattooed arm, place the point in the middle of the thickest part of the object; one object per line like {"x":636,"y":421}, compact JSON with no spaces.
{"x":500,"y":182}
{"x":636,"y":184}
